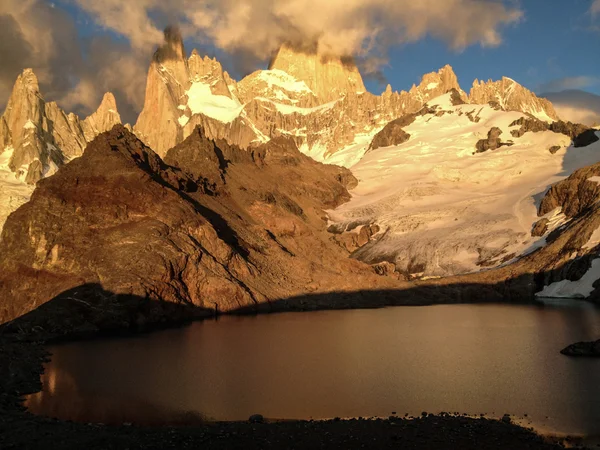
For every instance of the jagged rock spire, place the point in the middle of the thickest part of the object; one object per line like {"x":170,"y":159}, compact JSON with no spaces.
{"x":105,"y":117}
{"x":328,"y":77}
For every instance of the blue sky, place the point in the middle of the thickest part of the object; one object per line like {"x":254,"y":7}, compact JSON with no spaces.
{"x":556,"y":41}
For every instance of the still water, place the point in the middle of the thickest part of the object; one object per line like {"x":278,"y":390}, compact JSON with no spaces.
{"x":491,"y":359}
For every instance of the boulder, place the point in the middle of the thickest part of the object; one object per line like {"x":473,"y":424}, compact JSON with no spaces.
{"x":492,"y":142}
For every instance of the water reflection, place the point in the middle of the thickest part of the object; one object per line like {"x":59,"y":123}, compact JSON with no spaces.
{"x":492,"y":359}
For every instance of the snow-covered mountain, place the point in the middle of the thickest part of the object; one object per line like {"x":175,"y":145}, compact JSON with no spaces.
{"x":37,"y":137}
{"x":320,"y":102}
{"x":441,"y":204}
{"x":444,"y":205}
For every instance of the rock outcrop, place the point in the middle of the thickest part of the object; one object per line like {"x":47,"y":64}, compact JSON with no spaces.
{"x":581,"y":135}
{"x":214,"y":226}
{"x":492,"y":142}
{"x":575,"y":194}
{"x":583,"y":349}
{"x":391,"y":134}
{"x":540,"y":227}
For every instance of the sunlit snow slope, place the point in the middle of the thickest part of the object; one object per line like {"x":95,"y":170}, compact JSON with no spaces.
{"x":445,"y":209}
{"x":14,"y":191}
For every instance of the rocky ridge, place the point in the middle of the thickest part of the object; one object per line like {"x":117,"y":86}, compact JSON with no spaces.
{"x":211,"y":227}
{"x":511,"y":96}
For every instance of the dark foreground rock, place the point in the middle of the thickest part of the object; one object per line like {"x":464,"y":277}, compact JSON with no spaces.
{"x":583,"y":349}
{"x":21,"y":364}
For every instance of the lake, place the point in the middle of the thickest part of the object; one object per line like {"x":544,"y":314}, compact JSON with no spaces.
{"x":474,"y":359}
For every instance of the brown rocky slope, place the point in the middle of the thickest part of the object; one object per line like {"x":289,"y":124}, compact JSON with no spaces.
{"x":233,"y":230}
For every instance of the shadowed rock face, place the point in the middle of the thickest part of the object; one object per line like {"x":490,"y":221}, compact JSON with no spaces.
{"x":213,"y":227}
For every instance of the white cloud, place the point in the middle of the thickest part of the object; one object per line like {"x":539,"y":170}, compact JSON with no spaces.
{"x":43,"y":37}
{"x":341,"y":27}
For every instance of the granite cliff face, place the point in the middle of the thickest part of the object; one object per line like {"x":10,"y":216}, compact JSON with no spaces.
{"x":212,"y":226}
{"x":328,"y":77}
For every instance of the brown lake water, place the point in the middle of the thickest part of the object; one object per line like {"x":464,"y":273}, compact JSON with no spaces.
{"x":491,"y":359}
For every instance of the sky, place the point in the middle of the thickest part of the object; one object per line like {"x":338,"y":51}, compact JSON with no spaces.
{"x":80,"y":49}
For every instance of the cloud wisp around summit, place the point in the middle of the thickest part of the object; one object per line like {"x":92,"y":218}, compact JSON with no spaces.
{"x":76,"y":73}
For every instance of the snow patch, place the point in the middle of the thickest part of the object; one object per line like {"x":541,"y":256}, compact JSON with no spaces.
{"x":290,"y":109}
{"x":201,"y":100}
{"x":594,"y":240}
{"x":283,"y":80}
{"x":443,"y":102}
{"x":581,"y":288}
{"x":183,"y":120}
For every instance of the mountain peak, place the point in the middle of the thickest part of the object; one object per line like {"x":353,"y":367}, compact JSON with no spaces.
{"x":438,"y":83}
{"x":29,"y":79}
{"x":108,"y":102}
{"x":329,"y":77}
{"x":172,"y":47}
{"x":105,"y":117}
{"x":512,"y":96}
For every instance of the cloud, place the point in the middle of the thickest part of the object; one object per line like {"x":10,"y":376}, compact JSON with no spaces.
{"x":16,"y":53}
{"x":595,"y":8}
{"x":566,"y":83}
{"x":76,"y":72}
{"x":576,"y":106}
{"x":358,"y":28}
